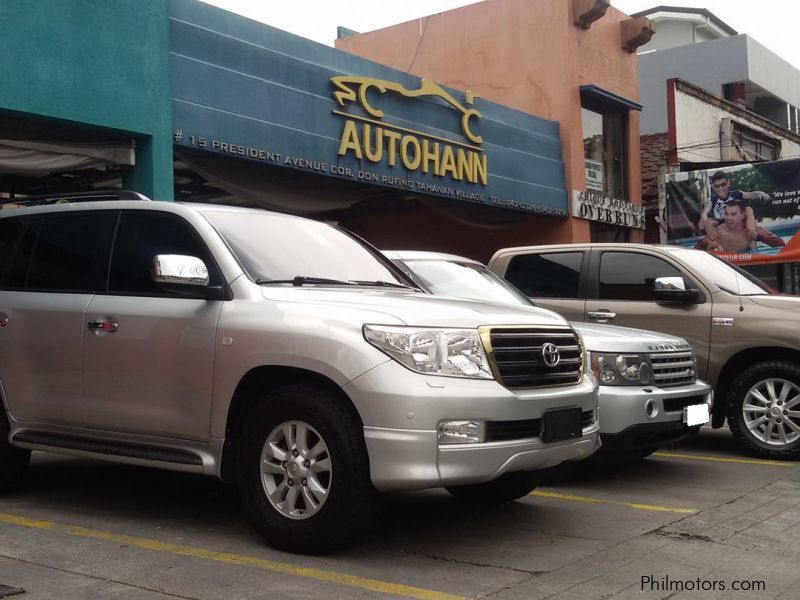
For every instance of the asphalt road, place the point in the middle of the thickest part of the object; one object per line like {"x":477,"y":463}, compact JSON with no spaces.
{"x":701,"y":517}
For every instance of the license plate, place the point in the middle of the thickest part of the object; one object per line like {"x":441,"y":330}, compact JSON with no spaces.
{"x":697,"y":414}
{"x":561,"y":424}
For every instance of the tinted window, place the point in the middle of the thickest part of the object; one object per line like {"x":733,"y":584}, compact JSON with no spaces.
{"x":63,"y":253}
{"x":630,"y":276}
{"x":10,"y":230}
{"x":554,"y":275}
{"x":141,"y":236}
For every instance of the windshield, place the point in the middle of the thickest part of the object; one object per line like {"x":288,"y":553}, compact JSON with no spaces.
{"x":464,"y":280}
{"x":725,"y":275}
{"x":272,"y":247}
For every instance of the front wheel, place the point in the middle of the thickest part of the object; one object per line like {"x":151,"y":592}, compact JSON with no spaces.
{"x":504,"y":489}
{"x":303,"y":471}
{"x":763,"y":409}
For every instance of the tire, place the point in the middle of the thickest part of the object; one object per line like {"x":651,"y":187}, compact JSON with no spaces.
{"x":763,"y":410}
{"x":326,"y":460}
{"x":504,"y":489}
{"x":13,"y":461}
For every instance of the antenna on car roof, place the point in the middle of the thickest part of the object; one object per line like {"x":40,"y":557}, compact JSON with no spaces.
{"x":72,"y":197}
{"x":738,"y":292}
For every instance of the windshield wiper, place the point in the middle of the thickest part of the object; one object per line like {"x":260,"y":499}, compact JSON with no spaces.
{"x":303,"y":280}
{"x":724,"y":289}
{"x":732,"y":293}
{"x":385,"y":284}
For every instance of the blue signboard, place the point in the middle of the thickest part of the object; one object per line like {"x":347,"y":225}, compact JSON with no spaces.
{"x":247,"y":90}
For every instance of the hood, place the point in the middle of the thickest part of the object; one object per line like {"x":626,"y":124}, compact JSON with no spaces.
{"x":386,"y":306}
{"x":610,"y":338}
{"x":790,"y":303}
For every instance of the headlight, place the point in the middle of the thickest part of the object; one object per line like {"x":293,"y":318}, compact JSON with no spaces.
{"x":448,"y":352}
{"x":621,"y":369}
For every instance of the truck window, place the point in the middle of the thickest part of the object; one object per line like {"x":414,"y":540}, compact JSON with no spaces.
{"x":551,"y":275}
{"x":630,"y":276}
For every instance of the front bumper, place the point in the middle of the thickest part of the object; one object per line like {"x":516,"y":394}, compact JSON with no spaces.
{"x":401,"y":411}
{"x":629,"y":413}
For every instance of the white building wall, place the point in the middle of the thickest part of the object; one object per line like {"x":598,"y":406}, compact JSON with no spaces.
{"x":670,"y":34}
{"x":771,"y":72}
{"x":697,"y":129}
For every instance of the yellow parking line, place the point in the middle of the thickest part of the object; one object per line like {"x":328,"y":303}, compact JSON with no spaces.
{"x":633,"y":505}
{"x":744,"y":461}
{"x":372,"y":585}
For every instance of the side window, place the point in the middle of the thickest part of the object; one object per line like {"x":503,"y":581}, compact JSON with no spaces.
{"x":630,"y":276}
{"x":552,"y":275}
{"x":10,"y":230}
{"x":141,"y":236}
{"x":62,"y":253}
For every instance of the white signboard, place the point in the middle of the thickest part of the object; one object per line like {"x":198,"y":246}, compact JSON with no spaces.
{"x":597,"y":207}
{"x":594,"y":174}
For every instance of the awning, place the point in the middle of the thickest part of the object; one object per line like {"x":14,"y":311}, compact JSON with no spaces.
{"x":24,"y":157}
{"x":607,"y":98}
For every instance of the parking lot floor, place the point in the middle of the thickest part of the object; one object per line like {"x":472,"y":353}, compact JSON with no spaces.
{"x":681,"y":524}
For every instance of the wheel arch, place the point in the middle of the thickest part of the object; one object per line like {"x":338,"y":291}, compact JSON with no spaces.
{"x":261,"y":380}
{"x":738,"y":363}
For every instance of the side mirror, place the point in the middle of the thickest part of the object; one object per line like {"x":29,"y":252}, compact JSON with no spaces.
{"x":178,"y":269}
{"x":673,"y":289}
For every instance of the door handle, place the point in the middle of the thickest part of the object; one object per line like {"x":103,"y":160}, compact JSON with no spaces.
{"x":601,"y":314}
{"x":102,"y":326}
{"x":3,"y":319}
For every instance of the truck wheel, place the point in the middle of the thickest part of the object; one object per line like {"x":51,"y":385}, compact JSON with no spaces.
{"x":504,"y":489}
{"x":763,"y":409}
{"x":303,"y":471}
{"x":13,"y":461}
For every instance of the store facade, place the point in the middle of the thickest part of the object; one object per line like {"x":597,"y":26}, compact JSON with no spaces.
{"x":220,"y":108}
{"x":571,"y":61}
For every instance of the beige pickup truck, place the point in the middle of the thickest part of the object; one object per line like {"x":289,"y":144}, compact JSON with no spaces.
{"x":746,"y":339}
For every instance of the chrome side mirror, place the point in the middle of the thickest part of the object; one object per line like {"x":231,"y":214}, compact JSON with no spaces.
{"x":669,"y":283}
{"x":178,"y":269}
{"x":673,"y":289}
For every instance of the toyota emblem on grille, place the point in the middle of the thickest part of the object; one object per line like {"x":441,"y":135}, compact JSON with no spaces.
{"x":550,"y":354}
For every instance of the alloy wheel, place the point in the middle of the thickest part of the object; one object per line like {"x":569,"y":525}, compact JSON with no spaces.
{"x":771,"y":411}
{"x":296,"y":470}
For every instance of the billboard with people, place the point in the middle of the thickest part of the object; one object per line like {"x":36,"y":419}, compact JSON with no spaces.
{"x":748,"y":214}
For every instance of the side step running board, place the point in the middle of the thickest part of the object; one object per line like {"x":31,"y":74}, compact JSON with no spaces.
{"x":108,"y":448}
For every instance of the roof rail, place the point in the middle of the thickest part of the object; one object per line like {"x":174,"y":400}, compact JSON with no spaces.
{"x":72,"y":197}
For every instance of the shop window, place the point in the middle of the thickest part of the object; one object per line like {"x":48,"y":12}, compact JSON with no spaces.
{"x":605,"y":233}
{"x":753,"y":145}
{"x":605,"y":150}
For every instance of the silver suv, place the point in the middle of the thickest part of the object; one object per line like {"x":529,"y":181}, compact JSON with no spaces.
{"x":275,"y":352}
{"x":649,"y":396}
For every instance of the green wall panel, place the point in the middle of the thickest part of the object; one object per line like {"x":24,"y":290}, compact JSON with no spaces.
{"x":102,"y":63}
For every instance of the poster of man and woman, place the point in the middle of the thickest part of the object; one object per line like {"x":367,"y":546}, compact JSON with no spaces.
{"x":747,"y":214}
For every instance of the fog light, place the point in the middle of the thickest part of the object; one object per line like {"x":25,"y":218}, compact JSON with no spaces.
{"x":461,"y":432}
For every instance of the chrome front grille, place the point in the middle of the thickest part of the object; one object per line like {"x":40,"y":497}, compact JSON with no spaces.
{"x":519,"y":356}
{"x":672,"y":368}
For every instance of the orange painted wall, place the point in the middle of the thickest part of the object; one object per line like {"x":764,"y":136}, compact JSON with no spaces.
{"x":526,"y":54}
